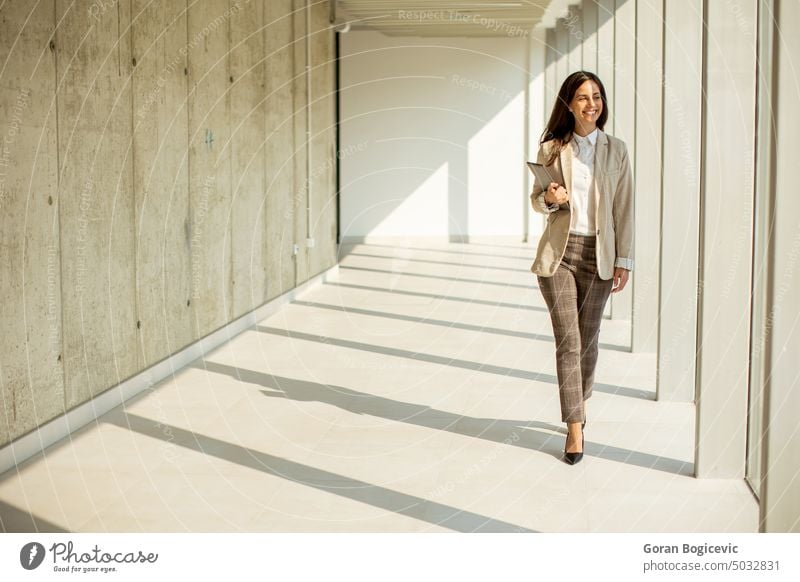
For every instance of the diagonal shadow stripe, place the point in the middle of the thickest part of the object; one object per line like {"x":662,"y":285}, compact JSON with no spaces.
{"x":453,"y":324}
{"x":489,"y":245}
{"x":349,"y":246}
{"x":490,"y":429}
{"x":15,"y":520}
{"x":436,"y":296}
{"x":361,"y":403}
{"x":453,"y":362}
{"x":448,"y":263}
{"x":355,"y":489}
{"x":442,"y":277}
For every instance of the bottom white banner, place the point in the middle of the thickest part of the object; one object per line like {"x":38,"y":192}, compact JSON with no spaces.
{"x":370,"y":557}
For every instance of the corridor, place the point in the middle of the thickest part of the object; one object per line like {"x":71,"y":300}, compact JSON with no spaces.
{"x":413,"y":391}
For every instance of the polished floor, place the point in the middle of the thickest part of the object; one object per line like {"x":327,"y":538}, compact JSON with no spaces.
{"x":416,"y":392}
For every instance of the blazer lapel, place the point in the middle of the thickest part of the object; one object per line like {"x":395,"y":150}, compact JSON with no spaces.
{"x":600,"y":160}
{"x":565,"y":157}
{"x":601,"y":152}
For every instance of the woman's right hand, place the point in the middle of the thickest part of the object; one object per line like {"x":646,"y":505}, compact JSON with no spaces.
{"x":556,"y":194}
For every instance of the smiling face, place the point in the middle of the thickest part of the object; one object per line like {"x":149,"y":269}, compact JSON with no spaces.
{"x":586,"y":106}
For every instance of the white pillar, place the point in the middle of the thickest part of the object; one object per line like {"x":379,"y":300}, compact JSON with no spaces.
{"x":680,"y":205}
{"x":624,"y":111}
{"x":551,"y":83}
{"x":605,"y":55}
{"x":647,"y":201}
{"x":589,"y":35}
{"x":574,"y":34}
{"x":535,"y":93}
{"x":762,"y":260}
{"x":726,"y":216}
{"x":780,"y":488}
{"x":562,"y":48}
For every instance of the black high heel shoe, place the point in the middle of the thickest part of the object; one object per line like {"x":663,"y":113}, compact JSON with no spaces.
{"x":573,"y":458}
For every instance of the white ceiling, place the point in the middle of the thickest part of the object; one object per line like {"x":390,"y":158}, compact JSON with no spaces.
{"x":505,"y":18}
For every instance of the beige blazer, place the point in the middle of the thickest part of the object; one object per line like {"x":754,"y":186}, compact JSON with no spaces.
{"x":613,"y":192}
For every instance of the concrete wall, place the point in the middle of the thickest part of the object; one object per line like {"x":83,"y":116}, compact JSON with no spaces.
{"x":433,"y":135}
{"x":31,"y":362}
{"x":154,"y":154}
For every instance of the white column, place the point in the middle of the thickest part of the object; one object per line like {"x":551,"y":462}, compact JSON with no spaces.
{"x":649,"y":67}
{"x":762,"y":235}
{"x":589,"y":36}
{"x":780,"y":489}
{"x":562,"y":48}
{"x":551,"y":83}
{"x":624,"y":110}
{"x":574,"y":34}
{"x":680,"y":205}
{"x":605,"y":55}
{"x":726,"y":217}
{"x":535,"y":93}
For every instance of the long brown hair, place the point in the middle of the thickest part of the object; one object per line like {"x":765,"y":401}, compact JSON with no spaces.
{"x":562,"y":123}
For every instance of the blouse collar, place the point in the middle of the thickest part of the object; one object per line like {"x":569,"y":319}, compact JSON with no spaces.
{"x":591,"y":138}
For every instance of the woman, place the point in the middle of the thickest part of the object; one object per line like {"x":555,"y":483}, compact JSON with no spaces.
{"x":586,"y":250}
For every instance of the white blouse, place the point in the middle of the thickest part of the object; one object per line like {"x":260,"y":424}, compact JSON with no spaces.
{"x":581,"y":193}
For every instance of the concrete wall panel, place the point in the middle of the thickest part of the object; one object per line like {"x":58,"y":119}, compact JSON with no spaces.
{"x":31,"y":373}
{"x":248,"y":238}
{"x":209,"y":164}
{"x":96,"y":201}
{"x":323,"y":144}
{"x":148,"y":175}
{"x":279,"y":145}
{"x":160,"y":167}
{"x":300,"y":190}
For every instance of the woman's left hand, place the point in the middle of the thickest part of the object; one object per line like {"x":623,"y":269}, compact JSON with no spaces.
{"x":620,"y":279}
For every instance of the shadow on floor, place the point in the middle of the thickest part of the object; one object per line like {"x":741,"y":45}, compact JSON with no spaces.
{"x":432,"y":262}
{"x":442,"y":277}
{"x":346,"y":249}
{"x":375,"y":495}
{"x":15,"y":520}
{"x":531,"y":433}
{"x":450,"y":324}
{"x":470,"y":300}
{"x":451,"y":362}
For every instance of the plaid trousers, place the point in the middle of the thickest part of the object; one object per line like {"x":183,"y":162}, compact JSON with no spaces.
{"x":576,"y":296}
